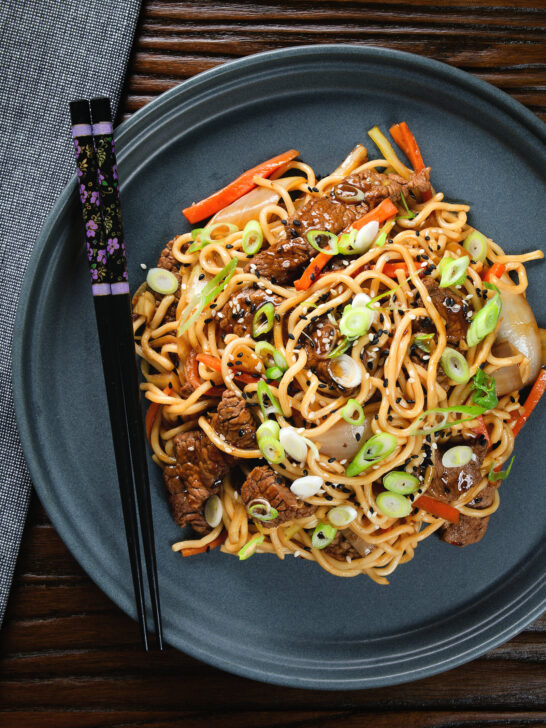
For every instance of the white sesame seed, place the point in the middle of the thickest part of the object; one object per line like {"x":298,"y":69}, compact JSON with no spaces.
{"x":143,"y":266}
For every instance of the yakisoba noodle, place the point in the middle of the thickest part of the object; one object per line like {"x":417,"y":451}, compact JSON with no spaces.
{"x":398,"y":382}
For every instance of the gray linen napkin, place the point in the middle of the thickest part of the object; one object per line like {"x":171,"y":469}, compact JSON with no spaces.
{"x":50,"y":52}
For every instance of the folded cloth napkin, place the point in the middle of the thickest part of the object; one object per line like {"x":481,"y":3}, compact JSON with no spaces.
{"x":50,"y":52}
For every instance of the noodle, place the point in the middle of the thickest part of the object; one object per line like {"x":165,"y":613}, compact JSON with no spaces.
{"x":395,"y":389}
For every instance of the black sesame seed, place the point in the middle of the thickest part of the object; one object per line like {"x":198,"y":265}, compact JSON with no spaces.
{"x":291,"y":336}
{"x":357,"y":436}
{"x":229,"y":246}
{"x":201,"y":276}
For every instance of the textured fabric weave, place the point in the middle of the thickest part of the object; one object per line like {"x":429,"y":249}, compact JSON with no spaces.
{"x":51,"y":51}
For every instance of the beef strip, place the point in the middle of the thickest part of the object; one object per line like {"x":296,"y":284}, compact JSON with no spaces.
{"x":265,"y":484}
{"x":448,"y":484}
{"x":451,"y":308}
{"x":238,"y":312}
{"x":470,"y":530}
{"x":197,"y":475}
{"x":377,"y":186}
{"x":324,"y":213}
{"x":283,"y":262}
{"x":233,"y":420}
{"x":169,"y":262}
{"x":347,"y":543}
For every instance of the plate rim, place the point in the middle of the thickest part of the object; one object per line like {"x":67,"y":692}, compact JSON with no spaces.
{"x":139,"y":120}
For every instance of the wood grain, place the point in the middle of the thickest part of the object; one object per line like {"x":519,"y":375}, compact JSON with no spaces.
{"x":68,"y":656}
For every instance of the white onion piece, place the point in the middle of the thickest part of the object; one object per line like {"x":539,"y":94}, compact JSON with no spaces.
{"x":365,"y":236}
{"x":293,"y":444}
{"x":363,"y":547}
{"x":361,"y":300}
{"x":353,"y":160}
{"x":518,"y":326}
{"x":213,"y":511}
{"x":340,"y":441}
{"x":307,"y":486}
{"x":345,"y":371}
{"x":248,"y":206}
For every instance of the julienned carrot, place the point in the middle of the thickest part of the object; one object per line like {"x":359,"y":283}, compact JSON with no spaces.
{"x":408,"y":144}
{"x":201,"y":549}
{"x":496,"y":271}
{"x":192,"y":370}
{"x":437,"y":508}
{"x":382,"y":212}
{"x":151,"y":413}
{"x":311,"y":273}
{"x":537,"y":390}
{"x":236,"y":189}
{"x":389,"y":269}
{"x":482,"y":430}
{"x":214,"y":363}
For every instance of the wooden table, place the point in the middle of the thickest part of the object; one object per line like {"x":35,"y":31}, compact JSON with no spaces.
{"x":71,"y":658}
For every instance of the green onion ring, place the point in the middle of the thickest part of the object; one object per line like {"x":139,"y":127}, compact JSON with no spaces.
{"x":263,"y":320}
{"x":351,"y":409}
{"x":252,"y":237}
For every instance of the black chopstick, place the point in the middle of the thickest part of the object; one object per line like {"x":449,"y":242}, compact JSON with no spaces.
{"x":112,"y":310}
{"x":121,"y":313}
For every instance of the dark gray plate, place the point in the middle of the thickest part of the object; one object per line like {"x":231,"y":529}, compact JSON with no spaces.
{"x":287,"y":622}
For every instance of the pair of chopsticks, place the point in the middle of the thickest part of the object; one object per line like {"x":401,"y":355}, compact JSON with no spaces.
{"x":98,"y":188}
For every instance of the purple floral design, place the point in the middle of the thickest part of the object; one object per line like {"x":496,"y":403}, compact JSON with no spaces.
{"x":94,"y":198}
{"x":91,"y":228}
{"x":101,"y":256}
{"x":100,"y":176}
{"x":94,"y":274}
{"x":83,"y":193}
{"x":77,"y":148}
{"x":115,"y":171}
{"x":112,"y":245}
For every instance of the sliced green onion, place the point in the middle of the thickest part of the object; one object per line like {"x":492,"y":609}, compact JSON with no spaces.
{"x":453,"y":271}
{"x":264,"y":348}
{"x":213,"y":511}
{"x":271,"y":449}
{"x":264,"y":394}
{"x":341,"y":516}
{"x":393,"y":505}
{"x":252,"y":237}
{"x":293,"y":444}
{"x":250,"y":547}
{"x":342,"y":347}
{"x":269,"y":428}
{"x":382,"y":237}
{"x":263,"y":320}
{"x":200,"y":301}
{"x":323,"y":535}
{"x":261,"y":512}
{"x":457,"y":457}
{"x":353,"y":413}
{"x":274,"y":372}
{"x":345,"y":243}
{"x":463,"y":409}
{"x":455,"y":365}
{"x":313,"y":236}
{"x":476,"y":244}
{"x":485,"y":390}
{"x":398,"y":481}
{"x":377,"y":448}
{"x":162,"y":281}
{"x":501,"y":474}
{"x":203,"y":236}
{"x":484,"y":321}
{"x":410,"y":214}
{"x":423,"y":341}
{"x":355,"y":322}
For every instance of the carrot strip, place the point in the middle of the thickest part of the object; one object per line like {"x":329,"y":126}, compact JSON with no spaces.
{"x":537,"y":390}
{"x":437,"y":508}
{"x":215,"y":363}
{"x":192,"y":370}
{"x":382,"y":212}
{"x":482,"y":430}
{"x":151,"y":413}
{"x":236,"y":189}
{"x":408,"y":144}
{"x":389,"y":269}
{"x":496,"y":271}
{"x":201,"y":549}
{"x":311,"y":273}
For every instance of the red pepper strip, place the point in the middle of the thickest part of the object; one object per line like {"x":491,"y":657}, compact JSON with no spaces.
{"x":482,"y":430}
{"x":406,"y":141}
{"x":437,"y":508}
{"x":192,"y":375}
{"x":212,"y":545}
{"x":151,"y":413}
{"x":236,"y":189}
{"x":531,"y":402}
{"x":311,"y":273}
{"x":381,"y":213}
{"x":214,"y":363}
{"x":496,"y":271}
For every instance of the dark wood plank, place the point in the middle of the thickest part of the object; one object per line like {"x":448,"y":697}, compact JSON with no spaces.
{"x":68,"y":656}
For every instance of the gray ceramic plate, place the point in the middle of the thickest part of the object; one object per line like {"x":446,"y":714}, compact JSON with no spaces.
{"x":287,"y":622}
